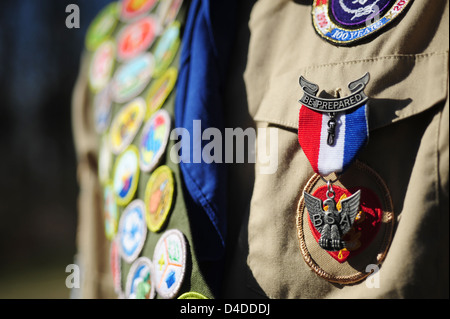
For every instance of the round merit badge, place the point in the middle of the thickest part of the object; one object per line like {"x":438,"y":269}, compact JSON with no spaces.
{"x":169,"y":260}
{"x":104,"y":161}
{"x":140,"y":280}
{"x":110,"y":212}
{"x":168,"y":10}
{"x":154,"y":138}
{"x":101,"y":66}
{"x":137,"y":37}
{"x":102,"y":26}
{"x":132,"y":231}
{"x":367,"y":240}
{"x":132,"y":78}
{"x":346,"y":21}
{"x":126,"y":175}
{"x":132,"y":9}
{"x":126,"y":124}
{"x":167,"y":48}
{"x":159,"y":197}
{"x":160,"y":90}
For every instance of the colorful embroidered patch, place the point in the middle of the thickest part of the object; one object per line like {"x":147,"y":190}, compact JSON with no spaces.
{"x":102,"y":110}
{"x":154,"y":138}
{"x":136,"y":38}
{"x":132,"y":78}
{"x":140,"y":280}
{"x":168,"y":10}
{"x":132,"y":230}
{"x":160,"y":90}
{"x":158,"y":197}
{"x":169,"y":260}
{"x":192,"y":295}
{"x":104,"y":161}
{"x":126,"y":175}
{"x":369,"y":238}
{"x":101,"y":66}
{"x":110,"y":212}
{"x":132,"y":9}
{"x":102,"y":26}
{"x":115,"y":263}
{"x":126,"y":124}
{"x":346,"y":21}
{"x":167,"y":48}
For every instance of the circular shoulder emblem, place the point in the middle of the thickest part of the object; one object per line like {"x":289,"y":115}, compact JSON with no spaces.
{"x":169,"y":259}
{"x":159,"y":197}
{"x":367,"y":241}
{"x":126,"y":175}
{"x":132,"y":9}
{"x":132,"y":78}
{"x":102,"y":26}
{"x":346,"y":21}
{"x":101,"y":66}
{"x":160,"y":90}
{"x":126,"y":124}
{"x":154,"y":138}
{"x":140,"y":280}
{"x":132,"y":231}
{"x":136,"y":38}
{"x":167,"y":48}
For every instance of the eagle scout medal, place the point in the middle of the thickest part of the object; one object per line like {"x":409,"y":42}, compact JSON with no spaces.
{"x":110,"y":212}
{"x":132,"y":9}
{"x":131,"y":78}
{"x":169,"y":260}
{"x":344,"y":22}
{"x":160,"y":90}
{"x":338,"y":218}
{"x":167,"y":48}
{"x":154,"y":138}
{"x":102,"y":26}
{"x":132,"y":231}
{"x":159,"y":197}
{"x":140,"y":280}
{"x":101,"y":66}
{"x":126,"y":124}
{"x":344,"y":259}
{"x":136,"y":38}
{"x":126,"y":175}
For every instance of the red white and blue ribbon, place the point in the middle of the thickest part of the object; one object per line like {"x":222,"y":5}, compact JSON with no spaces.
{"x":350,"y":131}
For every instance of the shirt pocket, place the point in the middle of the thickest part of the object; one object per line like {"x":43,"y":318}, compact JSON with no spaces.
{"x":401,"y":87}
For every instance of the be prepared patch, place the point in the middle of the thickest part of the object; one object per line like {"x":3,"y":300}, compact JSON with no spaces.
{"x":110,"y":212}
{"x":367,"y":241}
{"x":159,"y":197}
{"x":169,"y":260}
{"x":133,"y":9}
{"x":344,"y":22}
{"x":126,"y":175}
{"x":126,"y":124}
{"x":101,"y":66}
{"x":136,"y":38}
{"x":154,"y":138}
{"x":160,"y":90}
{"x":102,"y":26}
{"x":140,"y":280}
{"x":132,"y":231}
{"x":131,"y":78}
{"x":167,"y":48}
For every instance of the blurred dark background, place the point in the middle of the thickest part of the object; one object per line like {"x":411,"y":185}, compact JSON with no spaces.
{"x":39,"y":61}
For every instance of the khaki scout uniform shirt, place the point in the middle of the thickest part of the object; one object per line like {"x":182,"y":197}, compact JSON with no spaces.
{"x":407,"y":148}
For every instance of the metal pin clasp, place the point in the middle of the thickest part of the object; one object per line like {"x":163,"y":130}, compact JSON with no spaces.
{"x":331,"y":129}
